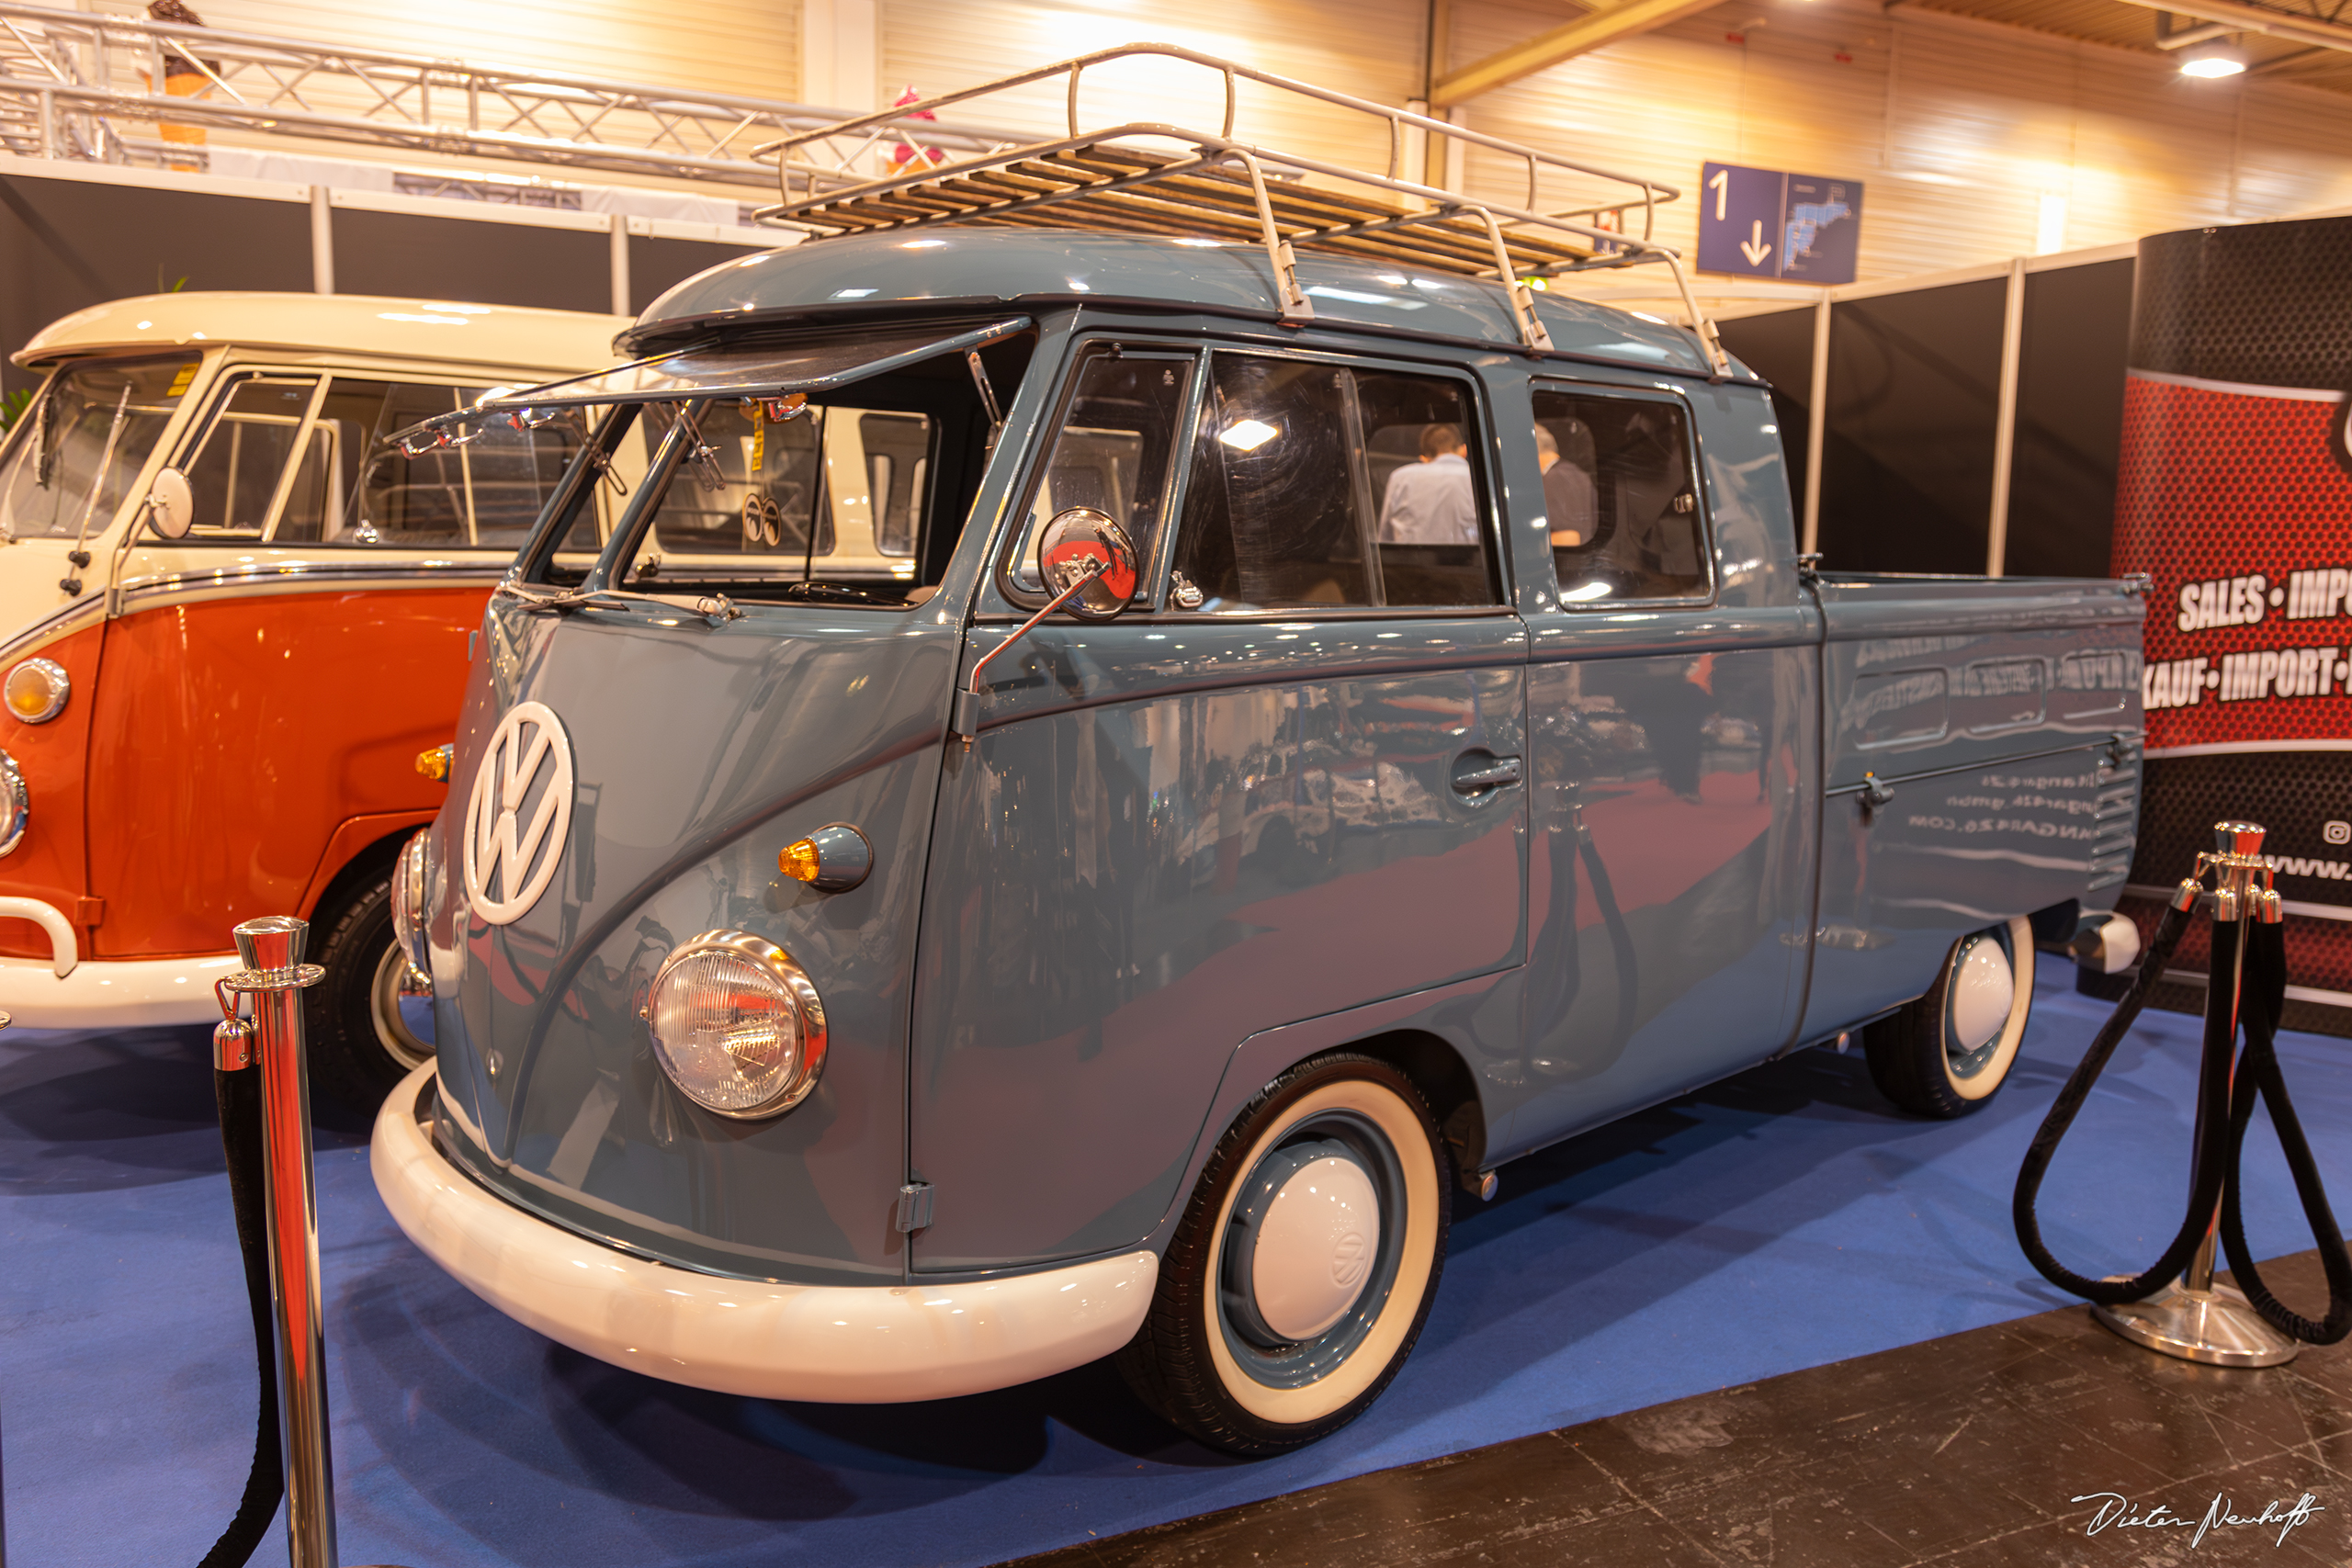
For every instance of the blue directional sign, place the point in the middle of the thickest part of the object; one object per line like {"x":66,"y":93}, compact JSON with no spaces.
{"x":1766,"y":223}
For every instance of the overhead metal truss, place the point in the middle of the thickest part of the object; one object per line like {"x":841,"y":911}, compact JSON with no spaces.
{"x":1156,"y":178}
{"x":2316,"y":24}
{"x":76,"y":84}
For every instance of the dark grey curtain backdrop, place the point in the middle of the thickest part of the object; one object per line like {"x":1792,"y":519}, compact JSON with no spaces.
{"x":657,"y":265}
{"x":1779,"y":347}
{"x":1907,"y":465}
{"x":2070,"y":420}
{"x":465,"y":259}
{"x":66,"y":245}
{"x":1914,"y":383}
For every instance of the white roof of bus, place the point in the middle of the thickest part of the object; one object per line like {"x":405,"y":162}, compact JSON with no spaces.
{"x":350,"y":324}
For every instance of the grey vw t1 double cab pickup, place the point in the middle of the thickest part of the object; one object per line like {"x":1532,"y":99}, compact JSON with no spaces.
{"x":1100,"y":774}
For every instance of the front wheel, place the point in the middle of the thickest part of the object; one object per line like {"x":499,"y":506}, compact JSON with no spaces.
{"x":1305,"y":1264}
{"x":1948,"y":1052}
{"x":360,"y":1046}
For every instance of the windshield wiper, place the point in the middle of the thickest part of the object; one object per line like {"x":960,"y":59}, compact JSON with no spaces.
{"x":45,"y":437}
{"x":80,"y":554}
{"x":536,"y":596}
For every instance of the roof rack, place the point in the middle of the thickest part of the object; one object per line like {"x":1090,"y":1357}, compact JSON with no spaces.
{"x":1217,"y":187}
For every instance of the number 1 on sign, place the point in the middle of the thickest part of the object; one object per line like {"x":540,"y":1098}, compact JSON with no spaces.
{"x":1721,"y":185}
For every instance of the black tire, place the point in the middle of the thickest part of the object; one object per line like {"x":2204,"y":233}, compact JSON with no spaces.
{"x":1210,"y":1357}
{"x":1933,"y":1060}
{"x":359,"y":1048}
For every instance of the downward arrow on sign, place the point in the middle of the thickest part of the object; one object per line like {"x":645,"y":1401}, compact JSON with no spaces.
{"x":1753,"y":247}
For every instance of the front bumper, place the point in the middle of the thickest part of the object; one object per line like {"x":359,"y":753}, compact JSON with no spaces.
{"x":111,"y":993}
{"x":837,"y":1344}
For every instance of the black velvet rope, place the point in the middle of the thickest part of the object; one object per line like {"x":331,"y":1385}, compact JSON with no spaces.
{"x":239,"y":1095}
{"x":2211,"y":1153}
{"x":2262,"y":1003}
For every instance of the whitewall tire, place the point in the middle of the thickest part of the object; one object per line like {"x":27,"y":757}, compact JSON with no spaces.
{"x":1949,"y":1052}
{"x":1305,"y":1262}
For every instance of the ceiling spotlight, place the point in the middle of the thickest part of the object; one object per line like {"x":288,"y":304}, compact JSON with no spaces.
{"x":2211,"y":59}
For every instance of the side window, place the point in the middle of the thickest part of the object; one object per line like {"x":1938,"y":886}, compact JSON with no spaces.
{"x":233,"y":475}
{"x":1621,"y":497}
{"x":898,"y":457}
{"x":1114,"y":451}
{"x":355,"y":486}
{"x":1316,"y":484}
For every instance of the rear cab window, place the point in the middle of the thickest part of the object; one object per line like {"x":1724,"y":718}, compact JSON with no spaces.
{"x":1318,"y":484}
{"x":1621,"y":496}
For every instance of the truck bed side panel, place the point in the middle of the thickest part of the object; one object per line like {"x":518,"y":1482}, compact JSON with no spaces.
{"x":1996,"y":727}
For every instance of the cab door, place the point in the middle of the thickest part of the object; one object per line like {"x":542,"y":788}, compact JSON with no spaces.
{"x":1286,"y":782}
{"x":1673,"y":700}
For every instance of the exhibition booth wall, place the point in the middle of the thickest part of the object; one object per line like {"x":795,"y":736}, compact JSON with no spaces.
{"x":76,"y":235}
{"x":1914,"y":387}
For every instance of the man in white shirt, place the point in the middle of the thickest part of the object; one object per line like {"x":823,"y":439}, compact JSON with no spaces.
{"x":1432,"y":501}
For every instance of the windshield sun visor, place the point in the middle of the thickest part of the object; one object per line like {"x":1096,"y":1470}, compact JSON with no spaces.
{"x":705,"y":370}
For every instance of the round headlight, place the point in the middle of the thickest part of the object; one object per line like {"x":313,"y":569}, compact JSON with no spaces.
{"x":737,"y":1024}
{"x":409,"y":905}
{"x":36,"y":690}
{"x":16,"y":804}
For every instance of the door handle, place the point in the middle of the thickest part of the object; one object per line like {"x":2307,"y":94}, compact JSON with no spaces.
{"x":1475,"y":772}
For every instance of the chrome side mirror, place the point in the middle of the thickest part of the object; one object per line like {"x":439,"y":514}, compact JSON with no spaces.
{"x":1082,"y":546}
{"x":1088,"y":565}
{"x":171,"y":505}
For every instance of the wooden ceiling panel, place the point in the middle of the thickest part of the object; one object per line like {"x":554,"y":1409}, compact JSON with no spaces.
{"x":2135,"y":28}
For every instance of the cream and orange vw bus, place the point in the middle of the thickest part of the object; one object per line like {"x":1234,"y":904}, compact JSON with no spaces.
{"x":233,"y":613}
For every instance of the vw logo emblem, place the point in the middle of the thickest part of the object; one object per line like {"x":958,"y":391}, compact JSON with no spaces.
{"x":514,"y":838}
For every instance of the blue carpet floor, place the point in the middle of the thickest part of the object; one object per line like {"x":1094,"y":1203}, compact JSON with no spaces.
{"x":1782,"y":1219}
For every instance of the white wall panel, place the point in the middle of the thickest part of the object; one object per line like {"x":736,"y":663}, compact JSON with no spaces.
{"x":1370,"y":48}
{"x":1965,"y":133}
{"x":731,"y":46}
{"x":1958,"y":129}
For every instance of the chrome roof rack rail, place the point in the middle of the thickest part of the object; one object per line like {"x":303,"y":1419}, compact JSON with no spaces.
{"x":1215,"y":186}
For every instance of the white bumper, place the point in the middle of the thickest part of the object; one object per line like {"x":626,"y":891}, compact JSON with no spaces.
{"x":112,"y":993}
{"x":837,"y":1344}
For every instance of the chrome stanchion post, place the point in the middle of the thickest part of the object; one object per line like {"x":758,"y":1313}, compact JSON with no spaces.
{"x":2194,"y":1318}
{"x":274,"y":975}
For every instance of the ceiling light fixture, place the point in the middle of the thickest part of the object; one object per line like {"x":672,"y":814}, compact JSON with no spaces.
{"x":2212,"y":60}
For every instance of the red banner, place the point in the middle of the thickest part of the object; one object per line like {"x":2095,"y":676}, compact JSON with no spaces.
{"x":2232,"y":500}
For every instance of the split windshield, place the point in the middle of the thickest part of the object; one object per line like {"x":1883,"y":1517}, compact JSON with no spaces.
{"x":76,"y":449}
{"x":847,"y":494}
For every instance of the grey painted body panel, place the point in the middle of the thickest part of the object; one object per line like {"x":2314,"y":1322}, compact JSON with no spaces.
{"x":692,"y":746}
{"x":1186,"y":852}
{"x":1677,"y":767}
{"x":1121,"y":892}
{"x":2006,"y":719}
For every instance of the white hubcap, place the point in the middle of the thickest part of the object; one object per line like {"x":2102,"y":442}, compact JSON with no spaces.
{"x":1982,"y":991}
{"x":1315,"y":1248}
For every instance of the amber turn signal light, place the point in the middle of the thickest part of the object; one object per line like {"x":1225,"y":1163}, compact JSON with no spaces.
{"x":436,"y":765}
{"x":37,"y":689}
{"x":833,"y":859}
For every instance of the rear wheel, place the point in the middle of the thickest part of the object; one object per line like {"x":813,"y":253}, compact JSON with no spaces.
{"x":1948,"y":1052}
{"x":360,"y":1046}
{"x":1305,"y":1264}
